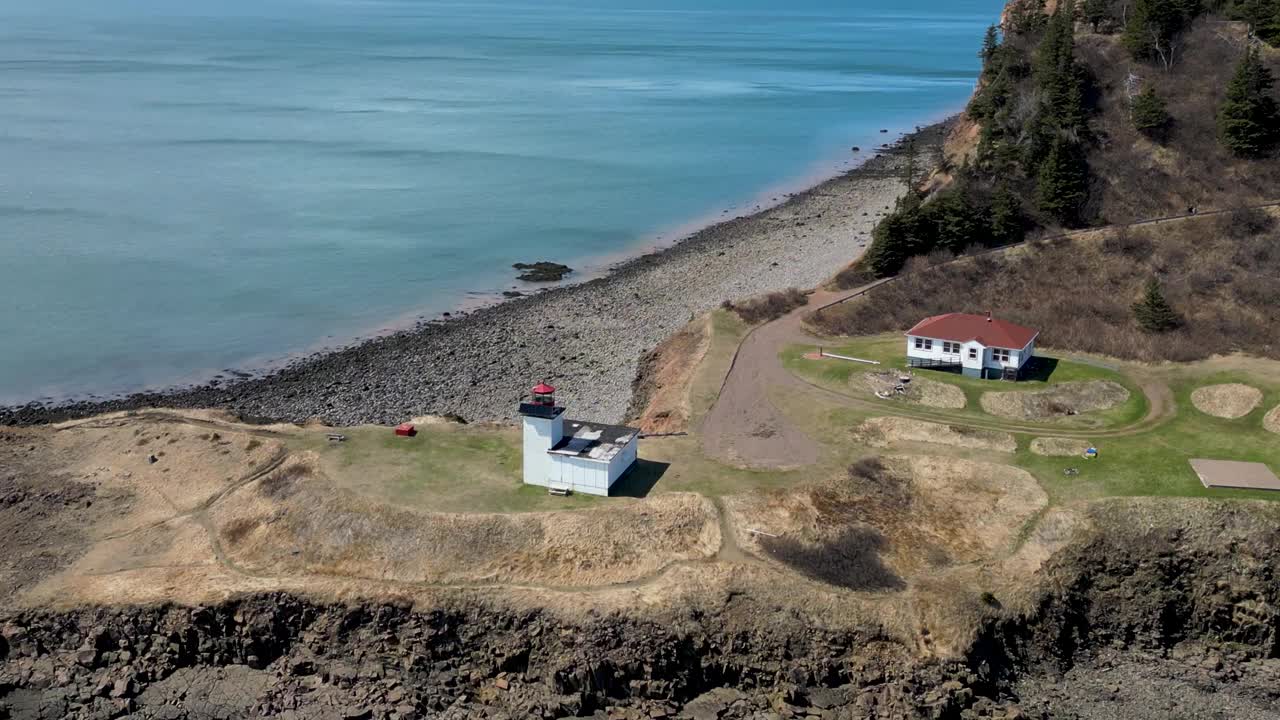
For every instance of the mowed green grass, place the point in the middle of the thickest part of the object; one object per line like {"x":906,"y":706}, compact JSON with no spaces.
{"x":1154,"y":462}
{"x":445,"y":468}
{"x":890,"y":351}
{"x":1157,"y":462}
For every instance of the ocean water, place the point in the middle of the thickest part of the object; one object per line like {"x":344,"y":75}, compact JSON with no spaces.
{"x":187,"y":187}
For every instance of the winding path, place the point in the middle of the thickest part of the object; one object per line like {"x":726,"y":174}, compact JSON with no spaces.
{"x":745,"y":428}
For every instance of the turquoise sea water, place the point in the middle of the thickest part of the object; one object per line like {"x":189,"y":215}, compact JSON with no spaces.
{"x":192,"y":186}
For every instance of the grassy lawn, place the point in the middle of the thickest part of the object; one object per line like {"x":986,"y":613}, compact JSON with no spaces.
{"x":1152,"y":463}
{"x":889,"y":350}
{"x":477,"y":468}
{"x":1156,"y":462}
{"x":462,"y":468}
{"x":445,"y":468}
{"x":727,"y":332}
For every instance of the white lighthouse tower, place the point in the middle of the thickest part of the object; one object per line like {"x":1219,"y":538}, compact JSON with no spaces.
{"x":572,"y":455}
{"x":543,"y":430}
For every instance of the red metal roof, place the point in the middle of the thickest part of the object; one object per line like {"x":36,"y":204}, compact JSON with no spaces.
{"x":543,"y":389}
{"x":963,"y":327}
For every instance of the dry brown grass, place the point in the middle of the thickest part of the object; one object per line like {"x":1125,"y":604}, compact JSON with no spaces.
{"x":660,"y":393}
{"x":767,"y":307}
{"x":920,"y":391}
{"x":890,"y":431}
{"x":1138,"y":178}
{"x":1059,"y":447}
{"x":1070,"y":398}
{"x":297,"y":523}
{"x":1219,"y":272}
{"x":1271,"y":422}
{"x":1229,"y":400}
{"x":893,"y":522}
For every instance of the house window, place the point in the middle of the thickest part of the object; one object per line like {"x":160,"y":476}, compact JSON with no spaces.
{"x":951,"y":348}
{"x":973,"y":353}
{"x":1000,"y":355}
{"x":924,"y":344}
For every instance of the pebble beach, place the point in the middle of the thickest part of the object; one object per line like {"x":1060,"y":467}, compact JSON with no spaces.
{"x":585,"y":338}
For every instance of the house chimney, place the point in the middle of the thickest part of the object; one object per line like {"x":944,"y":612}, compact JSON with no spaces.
{"x":988,"y":316}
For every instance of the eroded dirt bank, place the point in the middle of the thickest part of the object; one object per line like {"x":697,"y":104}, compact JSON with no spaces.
{"x":1171,"y":616}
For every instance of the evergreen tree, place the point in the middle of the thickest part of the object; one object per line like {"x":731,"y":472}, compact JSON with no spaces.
{"x":1004,"y":217}
{"x":1263,"y":17}
{"x":1154,"y":25}
{"x":1058,"y":74}
{"x":951,"y":221}
{"x":1153,"y":312}
{"x":1249,"y":121}
{"x":1037,"y":137}
{"x":1063,"y":182}
{"x":1096,"y":13}
{"x":895,"y":238}
{"x":990,"y":46}
{"x":1026,"y":16}
{"x":1149,"y":114}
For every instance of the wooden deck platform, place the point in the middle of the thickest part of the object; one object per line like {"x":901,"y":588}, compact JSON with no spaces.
{"x":1233,"y":474}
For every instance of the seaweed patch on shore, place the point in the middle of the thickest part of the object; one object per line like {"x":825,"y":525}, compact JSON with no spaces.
{"x":542,"y":271}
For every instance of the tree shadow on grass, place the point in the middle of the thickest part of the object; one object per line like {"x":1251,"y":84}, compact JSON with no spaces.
{"x":849,"y":560}
{"x":640,"y":479}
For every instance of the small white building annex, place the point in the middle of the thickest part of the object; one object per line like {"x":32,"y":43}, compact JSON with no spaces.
{"x":572,"y":455}
{"x":979,"y":345}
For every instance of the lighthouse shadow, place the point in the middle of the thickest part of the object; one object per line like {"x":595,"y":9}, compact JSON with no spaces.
{"x":640,"y":479}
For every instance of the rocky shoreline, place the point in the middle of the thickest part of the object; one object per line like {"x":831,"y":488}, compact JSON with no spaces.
{"x":585,"y":338}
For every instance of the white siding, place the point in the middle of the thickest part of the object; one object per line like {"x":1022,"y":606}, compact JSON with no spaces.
{"x":540,"y":435}
{"x":933,"y":349}
{"x":1017,"y":358}
{"x":622,"y":461}
{"x":580,"y":475}
{"x":973,"y":355}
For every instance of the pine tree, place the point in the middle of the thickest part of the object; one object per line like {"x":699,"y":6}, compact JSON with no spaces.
{"x":1004,"y":217}
{"x":1096,"y":13}
{"x":1263,"y":17}
{"x":895,"y":238}
{"x":1154,"y":25}
{"x":1063,"y":182}
{"x":1249,"y":120}
{"x":951,"y":221}
{"x":1153,"y":312}
{"x":1058,"y":74}
{"x":1149,"y":114}
{"x":990,"y":46}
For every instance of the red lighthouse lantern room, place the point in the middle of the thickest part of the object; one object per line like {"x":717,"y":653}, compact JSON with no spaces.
{"x":544,"y":394}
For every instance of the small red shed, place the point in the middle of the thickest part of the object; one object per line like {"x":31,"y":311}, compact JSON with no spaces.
{"x":406,"y":430}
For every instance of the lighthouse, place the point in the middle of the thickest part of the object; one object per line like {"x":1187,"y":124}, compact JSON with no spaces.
{"x":566,"y":455}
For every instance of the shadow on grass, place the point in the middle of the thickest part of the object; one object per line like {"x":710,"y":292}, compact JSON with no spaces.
{"x":640,"y":479}
{"x":1039,"y":368}
{"x":850,"y":560}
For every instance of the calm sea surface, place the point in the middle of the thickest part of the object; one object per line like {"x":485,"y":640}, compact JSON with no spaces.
{"x":190,"y":186}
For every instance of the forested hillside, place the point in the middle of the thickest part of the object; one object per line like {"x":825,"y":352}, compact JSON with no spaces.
{"x":1098,"y":113}
{"x":1102,"y":114}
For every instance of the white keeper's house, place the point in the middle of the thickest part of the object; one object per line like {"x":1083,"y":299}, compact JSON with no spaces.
{"x":980,"y":346}
{"x":572,"y":455}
